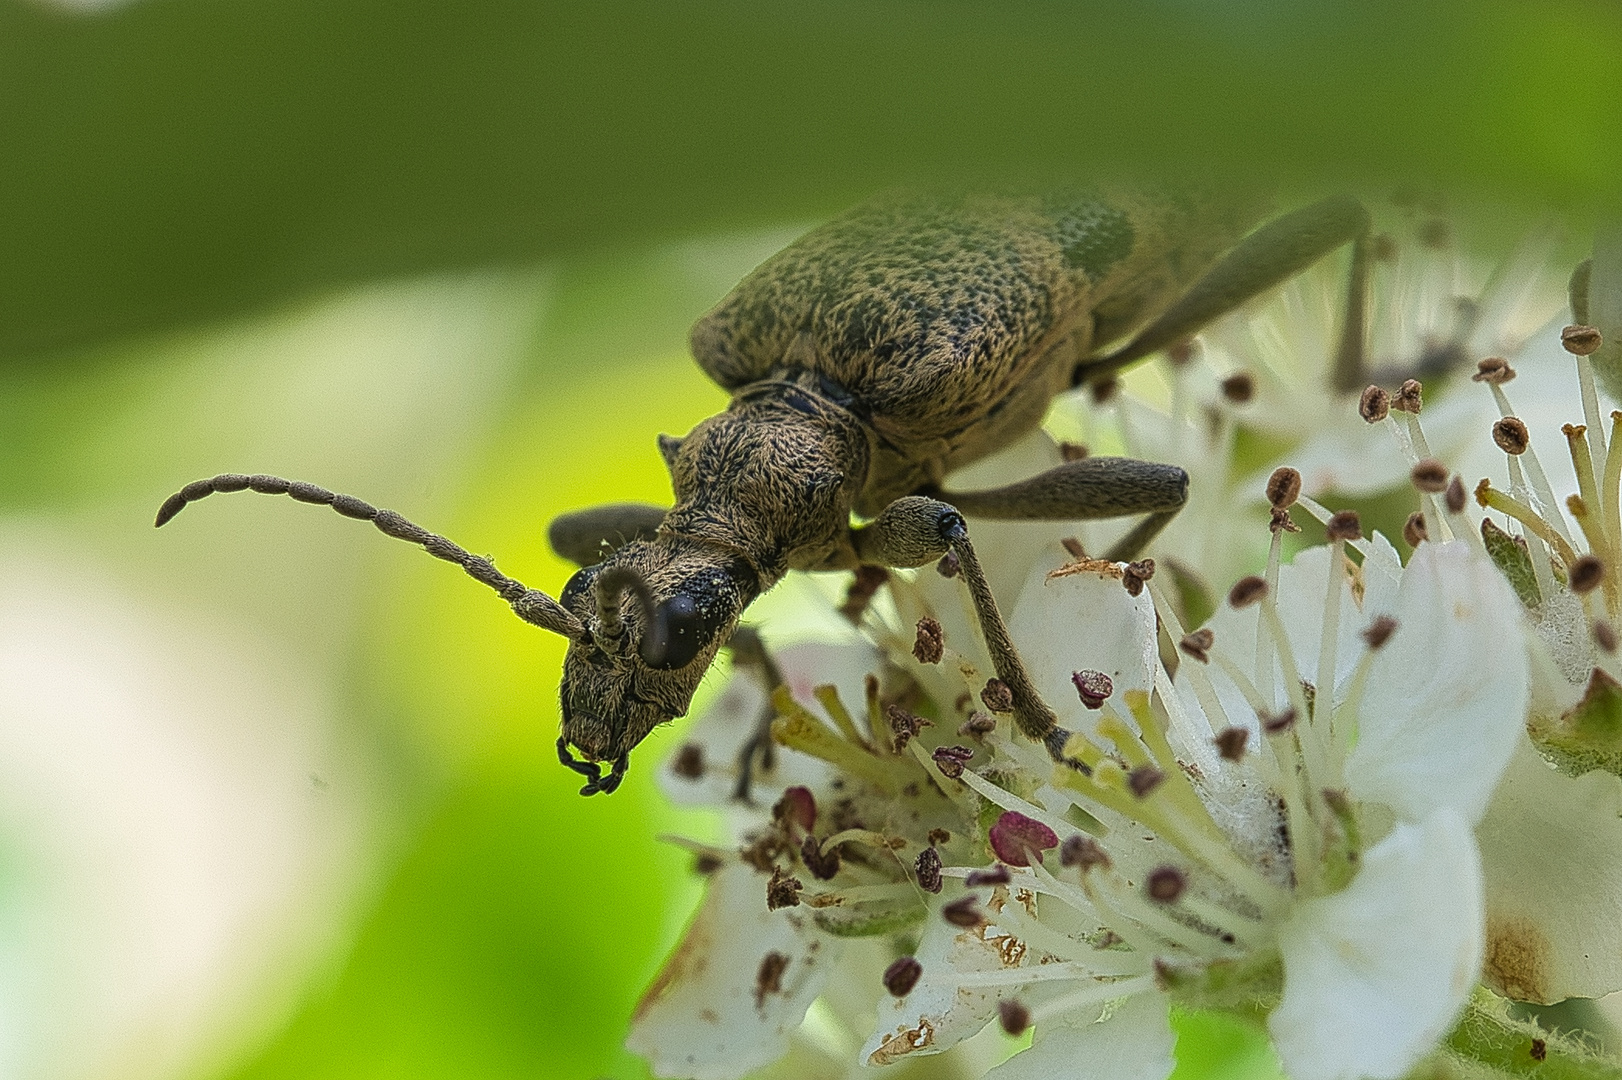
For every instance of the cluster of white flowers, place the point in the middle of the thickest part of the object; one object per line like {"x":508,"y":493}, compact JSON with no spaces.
{"x":1359,"y":789}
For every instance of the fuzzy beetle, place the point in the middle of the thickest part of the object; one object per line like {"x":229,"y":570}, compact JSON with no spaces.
{"x":866,"y":361}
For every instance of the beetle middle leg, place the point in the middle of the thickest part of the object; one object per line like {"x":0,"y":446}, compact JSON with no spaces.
{"x":1094,"y":487}
{"x":1276,"y":251}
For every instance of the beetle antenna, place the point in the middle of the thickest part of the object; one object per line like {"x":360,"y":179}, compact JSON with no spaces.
{"x":531,"y":605}
{"x":611,"y":583}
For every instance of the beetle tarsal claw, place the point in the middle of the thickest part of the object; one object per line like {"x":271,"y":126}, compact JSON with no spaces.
{"x":588,"y":769}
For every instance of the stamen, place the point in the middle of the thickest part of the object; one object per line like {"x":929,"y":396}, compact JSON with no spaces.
{"x":1581,"y":342}
{"x":1375,"y":404}
{"x":1094,"y":687}
{"x":1413,"y":530}
{"x":902,"y":975}
{"x":1093,"y":996}
{"x":1013,"y":1016}
{"x":796,"y":728}
{"x":1511,"y":436}
{"x":930,"y":644}
{"x":1230,"y":743}
{"x":828,"y":697}
{"x":927,"y":869}
{"x":1165,"y":884}
{"x":1490,"y":497}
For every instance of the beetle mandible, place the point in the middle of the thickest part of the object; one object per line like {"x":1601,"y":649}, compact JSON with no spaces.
{"x":902,"y":340}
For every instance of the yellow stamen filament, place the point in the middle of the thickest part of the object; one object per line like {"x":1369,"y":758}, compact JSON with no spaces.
{"x":828,"y":697}
{"x":1493,"y":499}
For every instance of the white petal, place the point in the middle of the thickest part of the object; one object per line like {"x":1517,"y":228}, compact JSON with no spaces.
{"x":940,"y":1012}
{"x":720,"y":731}
{"x":1131,"y":1041}
{"x":1447,"y":695}
{"x":1551,"y":852}
{"x":1083,"y":622}
{"x":1376,"y":974}
{"x":706,"y":1016}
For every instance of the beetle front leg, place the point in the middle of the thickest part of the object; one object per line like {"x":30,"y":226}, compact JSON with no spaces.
{"x":916,"y":530}
{"x":587,"y":537}
{"x":749,"y":651}
{"x":1092,"y":488}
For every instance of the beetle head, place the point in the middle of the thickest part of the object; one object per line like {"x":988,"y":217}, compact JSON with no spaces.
{"x":655,"y":613}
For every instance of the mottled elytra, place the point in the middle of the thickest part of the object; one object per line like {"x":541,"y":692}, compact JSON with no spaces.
{"x":866,"y":361}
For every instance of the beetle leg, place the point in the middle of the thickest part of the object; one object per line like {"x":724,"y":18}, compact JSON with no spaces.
{"x":915,"y":530}
{"x":587,"y":537}
{"x":1279,"y":249}
{"x":748,"y":650}
{"x":1094,"y":487}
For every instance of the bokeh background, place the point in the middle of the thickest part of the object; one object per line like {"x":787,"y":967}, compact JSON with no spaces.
{"x":277,"y":796}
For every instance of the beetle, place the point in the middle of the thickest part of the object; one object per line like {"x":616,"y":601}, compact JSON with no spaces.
{"x":866,"y":361}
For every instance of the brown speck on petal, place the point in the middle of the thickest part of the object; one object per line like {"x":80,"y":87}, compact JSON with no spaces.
{"x":1135,"y":574}
{"x":964,"y":912}
{"x":949,"y":565}
{"x":1239,"y":388}
{"x":1581,"y":340}
{"x":1375,"y":405}
{"x":1278,"y":723}
{"x":1344,"y":525}
{"x":1072,"y":451}
{"x":1247,"y":591}
{"x":1198,"y":644}
{"x":902,"y":975}
{"x":1511,"y":435}
{"x":1378,"y":632}
{"x":1094,"y":687}
{"x":782,"y":891}
{"x":1166,"y":884}
{"x":1604,"y":636}
{"x":1494,"y":370}
{"x":939,"y":836}
{"x":1429,"y":476}
{"x":1410,"y":397}
{"x":1586,"y":574}
{"x":1283,"y":488}
{"x":1082,"y":851}
{"x":689,"y":762}
{"x":1019,"y":840}
{"x":1144,"y":779}
{"x":927,"y":868}
{"x":997,"y":697}
{"x":1413,"y":530}
{"x":1539,"y":1050}
{"x":951,"y":759}
{"x":824,"y":865}
{"x":1230,"y":743}
{"x":997,"y":874}
{"x":1013,"y":1016}
{"x":769,"y":976}
{"x":1455,"y":495}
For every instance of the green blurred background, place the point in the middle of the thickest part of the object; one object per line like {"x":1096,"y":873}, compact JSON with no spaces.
{"x":445,"y":256}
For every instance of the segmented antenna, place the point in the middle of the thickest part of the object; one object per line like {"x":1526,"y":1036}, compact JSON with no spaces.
{"x":531,"y":605}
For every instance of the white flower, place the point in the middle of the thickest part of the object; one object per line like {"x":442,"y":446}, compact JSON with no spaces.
{"x":1366,"y":921}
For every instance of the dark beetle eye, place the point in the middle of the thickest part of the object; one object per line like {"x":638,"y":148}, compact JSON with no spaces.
{"x":579,"y":585}
{"x":689,"y":629}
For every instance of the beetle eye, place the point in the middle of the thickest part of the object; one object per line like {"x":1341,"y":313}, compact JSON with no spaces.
{"x":688,"y":630}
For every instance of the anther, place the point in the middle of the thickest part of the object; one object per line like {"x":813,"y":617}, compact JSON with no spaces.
{"x":997,"y":697}
{"x":1374,"y":405}
{"x":1429,"y":476}
{"x":769,"y":976}
{"x":1144,"y":779}
{"x":1494,"y":370}
{"x":1455,"y":496}
{"x":1344,"y":525}
{"x":939,"y":836}
{"x":824,"y":865}
{"x":1239,"y":388}
{"x":1281,"y":522}
{"x":1586,"y":574}
{"x":1230,"y":743}
{"x":1413,"y":530}
{"x":1604,"y":636}
{"x":1434,"y":234}
{"x":951,"y":759}
{"x":927,"y":868}
{"x":798,"y":806}
{"x":1094,"y":687}
{"x":689,"y":762}
{"x":1198,"y":644}
{"x":930,"y":644}
{"x":996,"y":874}
{"x":1104,"y":389}
{"x":1247,"y":591}
{"x":904,"y":725}
{"x":1082,"y":851}
{"x":1165,"y":884}
{"x":1539,"y":1050}
{"x":1135,"y":574}
{"x":902,"y":975}
{"x":706,"y":863}
{"x":1283,"y":488}
{"x":949,"y":565}
{"x":1581,"y":340}
{"x":978,"y":724}
{"x":1072,"y":451}
{"x":1378,"y":632}
{"x":964,"y":912}
{"x":782,"y":890}
{"x":1511,"y":435}
{"x":1382,"y":248}
{"x":1073,"y":547}
{"x":1277,"y":723}
{"x":1184,"y":352}
{"x":1019,"y":840}
{"x":1013,"y":1016}
{"x":1409,"y":397}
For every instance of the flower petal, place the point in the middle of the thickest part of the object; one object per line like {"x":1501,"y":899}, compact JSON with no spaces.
{"x":1132,"y":1041}
{"x":1551,"y":852}
{"x":737,"y":987}
{"x":1447,"y":695}
{"x":1376,"y":974}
